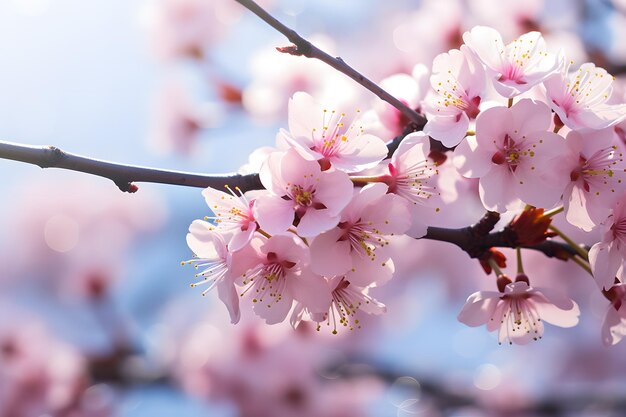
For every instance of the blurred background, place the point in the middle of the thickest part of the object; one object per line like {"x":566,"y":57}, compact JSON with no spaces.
{"x":96,"y":314}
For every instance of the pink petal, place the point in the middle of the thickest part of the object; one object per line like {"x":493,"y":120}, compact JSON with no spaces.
{"x":613,"y":326}
{"x":315,"y":222}
{"x":479,"y":308}
{"x":498,"y":190}
{"x":274,"y":214}
{"x":227,"y":293}
{"x":311,"y":290}
{"x":329,"y":256}
{"x":605,"y":260}
{"x":472,"y":160}
{"x":371,"y":272}
{"x":449,"y":130}
{"x":334,"y":190}
{"x":487,"y":44}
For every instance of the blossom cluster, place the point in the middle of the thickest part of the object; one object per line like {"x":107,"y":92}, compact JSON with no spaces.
{"x":532,"y":128}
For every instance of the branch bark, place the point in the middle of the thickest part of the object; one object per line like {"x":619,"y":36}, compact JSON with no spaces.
{"x":475,"y":240}
{"x":303,"y":47}
{"x":124,"y":176}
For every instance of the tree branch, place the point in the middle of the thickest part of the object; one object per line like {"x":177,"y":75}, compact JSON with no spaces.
{"x":476,"y":240}
{"x":122,"y":175}
{"x":303,"y":47}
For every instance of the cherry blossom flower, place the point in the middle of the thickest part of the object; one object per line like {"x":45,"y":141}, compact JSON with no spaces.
{"x":579,"y":98}
{"x":179,"y":120}
{"x":515,"y":157}
{"x":357,"y":247}
{"x":321,"y":134}
{"x":607,"y":257}
{"x":185,"y":28}
{"x":519,"y":312}
{"x":614,"y":324}
{"x":596,"y":178}
{"x":458,"y":80}
{"x":281,"y":275}
{"x":413,"y":176}
{"x":300,"y":189}
{"x":516,"y":67}
{"x":268,"y":372}
{"x":218,"y":268}
{"x":409,"y":89}
{"x":277,"y":77}
{"x":232,"y":214}
{"x":347,"y":306}
{"x":42,"y":375}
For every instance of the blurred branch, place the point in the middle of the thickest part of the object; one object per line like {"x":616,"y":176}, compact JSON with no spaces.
{"x":124,"y":176}
{"x":303,"y":47}
{"x":445,"y":397}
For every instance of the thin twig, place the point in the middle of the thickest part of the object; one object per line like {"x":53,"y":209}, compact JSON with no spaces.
{"x":303,"y":47}
{"x":124,"y":176}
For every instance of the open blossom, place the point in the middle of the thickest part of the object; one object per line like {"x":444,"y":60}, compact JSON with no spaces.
{"x":217,"y":267}
{"x":516,"y":67}
{"x":515,"y":157}
{"x":413,"y":176}
{"x":232,"y":214}
{"x":614,"y":325}
{"x":321,"y":134}
{"x":357,"y":247}
{"x":347,"y":305}
{"x":281,"y":275}
{"x":596,"y":178}
{"x":458,"y":80}
{"x":580,"y":98}
{"x":519,"y":312}
{"x":300,"y":189}
{"x":608,"y":256}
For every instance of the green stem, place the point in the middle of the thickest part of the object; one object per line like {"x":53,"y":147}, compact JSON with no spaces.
{"x":584,"y":254}
{"x":553,"y":212}
{"x":582,"y":264}
{"x":495,"y":267}
{"x":520,"y":267}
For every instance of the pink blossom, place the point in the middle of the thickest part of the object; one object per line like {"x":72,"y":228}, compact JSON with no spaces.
{"x":42,"y":375}
{"x":277,"y":77}
{"x":357,"y":247}
{"x":580,"y":98}
{"x":515,"y":157}
{"x":321,"y":134}
{"x":185,"y":28}
{"x":458,"y":80}
{"x":218,"y":268}
{"x":409,"y":89}
{"x":614,"y":325}
{"x":516,"y":67}
{"x":281,"y":275}
{"x":232,"y":214}
{"x":267,"y":371}
{"x":413,"y":176}
{"x":300,"y":189}
{"x":518,"y":313}
{"x":596,"y":178}
{"x":347,"y":305}
{"x":607,"y":257}
{"x":179,"y":120}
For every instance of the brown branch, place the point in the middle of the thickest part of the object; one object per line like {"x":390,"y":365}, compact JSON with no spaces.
{"x":124,"y":176}
{"x":475,"y":240}
{"x":303,"y":47}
